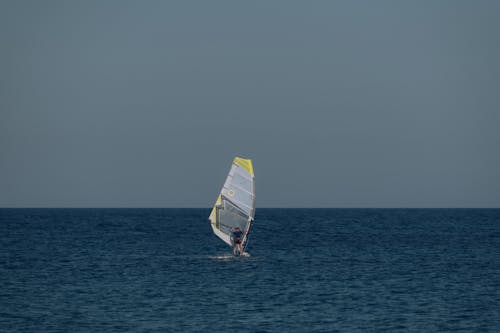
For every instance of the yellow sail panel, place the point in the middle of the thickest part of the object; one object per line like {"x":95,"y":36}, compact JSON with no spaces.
{"x":245,"y":164}
{"x":218,"y":202}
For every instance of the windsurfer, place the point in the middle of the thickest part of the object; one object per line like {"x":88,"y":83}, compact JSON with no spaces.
{"x":237,"y":240}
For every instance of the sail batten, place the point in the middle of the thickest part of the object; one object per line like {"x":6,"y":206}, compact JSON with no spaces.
{"x":235,"y":205}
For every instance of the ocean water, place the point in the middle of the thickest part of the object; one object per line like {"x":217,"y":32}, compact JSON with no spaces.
{"x":310,"y":270}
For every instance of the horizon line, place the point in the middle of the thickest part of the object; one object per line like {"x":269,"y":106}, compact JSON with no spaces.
{"x":75,"y":207}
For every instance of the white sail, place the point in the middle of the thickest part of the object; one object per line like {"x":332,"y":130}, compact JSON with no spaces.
{"x":235,"y":205}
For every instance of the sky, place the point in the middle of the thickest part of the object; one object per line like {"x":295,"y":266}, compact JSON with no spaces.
{"x":338,"y":103}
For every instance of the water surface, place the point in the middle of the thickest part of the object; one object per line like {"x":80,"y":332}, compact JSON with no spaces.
{"x":310,"y":270}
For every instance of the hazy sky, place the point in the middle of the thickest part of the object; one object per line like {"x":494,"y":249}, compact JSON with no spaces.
{"x":338,"y":103}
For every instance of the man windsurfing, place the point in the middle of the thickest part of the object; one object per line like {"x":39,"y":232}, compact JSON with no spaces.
{"x":237,"y":236}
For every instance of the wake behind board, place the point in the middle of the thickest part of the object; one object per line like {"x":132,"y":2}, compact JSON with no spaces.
{"x":235,"y":205}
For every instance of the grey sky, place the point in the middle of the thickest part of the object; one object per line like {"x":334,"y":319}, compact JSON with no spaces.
{"x":338,"y":103}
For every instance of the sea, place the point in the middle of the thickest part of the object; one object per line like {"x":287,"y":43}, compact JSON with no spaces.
{"x":309,"y":270}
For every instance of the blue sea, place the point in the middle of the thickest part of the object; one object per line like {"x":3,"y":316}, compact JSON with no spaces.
{"x":310,"y":270}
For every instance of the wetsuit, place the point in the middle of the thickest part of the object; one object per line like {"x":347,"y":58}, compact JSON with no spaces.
{"x":237,"y":236}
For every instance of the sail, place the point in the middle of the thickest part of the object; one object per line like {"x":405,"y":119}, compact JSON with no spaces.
{"x":235,"y":205}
